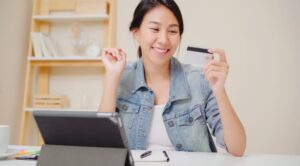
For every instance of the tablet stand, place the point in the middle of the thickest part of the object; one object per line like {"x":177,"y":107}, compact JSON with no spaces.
{"x":62,"y":155}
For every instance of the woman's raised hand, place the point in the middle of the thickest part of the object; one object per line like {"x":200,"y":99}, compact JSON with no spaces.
{"x":114,"y":60}
{"x":216,"y":71}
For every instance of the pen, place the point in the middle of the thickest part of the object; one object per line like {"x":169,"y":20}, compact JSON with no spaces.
{"x":34,"y":157}
{"x":168,"y":159}
{"x":148,"y":153}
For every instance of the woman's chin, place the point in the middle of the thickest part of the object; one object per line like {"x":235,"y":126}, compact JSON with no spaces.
{"x":160,"y":60}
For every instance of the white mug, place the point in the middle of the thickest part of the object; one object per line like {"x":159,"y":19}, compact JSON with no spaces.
{"x":4,"y":138}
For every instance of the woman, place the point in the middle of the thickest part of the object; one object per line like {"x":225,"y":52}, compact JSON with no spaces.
{"x":165,"y":104}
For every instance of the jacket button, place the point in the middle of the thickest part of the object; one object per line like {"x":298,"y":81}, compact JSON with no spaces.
{"x":191,"y":119}
{"x":124,"y":107}
{"x":178,"y":146}
{"x":171,"y":123}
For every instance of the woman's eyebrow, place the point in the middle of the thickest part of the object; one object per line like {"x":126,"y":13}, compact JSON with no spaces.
{"x":154,"y":22}
{"x":174,"y":25}
{"x":157,"y":23}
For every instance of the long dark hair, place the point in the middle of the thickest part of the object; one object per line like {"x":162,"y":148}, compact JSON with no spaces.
{"x":145,"y":6}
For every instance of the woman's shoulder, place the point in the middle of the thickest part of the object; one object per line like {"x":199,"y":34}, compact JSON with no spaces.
{"x":128,"y":76}
{"x":192,"y":70}
{"x":191,"y":73}
{"x":129,"y":69}
{"x":195,"y":77}
{"x":131,"y":65}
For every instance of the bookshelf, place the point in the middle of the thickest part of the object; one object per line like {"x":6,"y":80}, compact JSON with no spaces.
{"x":55,"y":20}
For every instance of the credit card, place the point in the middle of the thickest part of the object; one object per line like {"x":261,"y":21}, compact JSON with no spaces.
{"x":197,"y":57}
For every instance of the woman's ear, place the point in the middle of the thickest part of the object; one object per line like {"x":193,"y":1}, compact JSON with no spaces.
{"x":136,"y":35}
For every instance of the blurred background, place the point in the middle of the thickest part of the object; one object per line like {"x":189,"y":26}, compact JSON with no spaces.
{"x":261,"y":39}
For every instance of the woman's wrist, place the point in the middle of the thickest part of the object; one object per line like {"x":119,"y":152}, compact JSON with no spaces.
{"x":220,"y":94}
{"x":112,"y":76}
{"x":111,"y":82}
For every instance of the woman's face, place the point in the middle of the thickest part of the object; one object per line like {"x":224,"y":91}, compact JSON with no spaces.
{"x":158,"y":35}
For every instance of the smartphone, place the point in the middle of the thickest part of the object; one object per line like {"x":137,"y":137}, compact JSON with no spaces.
{"x":197,"y":57}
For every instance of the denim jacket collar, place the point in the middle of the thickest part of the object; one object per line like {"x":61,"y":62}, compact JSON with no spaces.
{"x":179,"y":86}
{"x":139,"y":81}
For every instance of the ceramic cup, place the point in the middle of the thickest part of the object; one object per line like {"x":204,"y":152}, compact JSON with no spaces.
{"x":4,"y":138}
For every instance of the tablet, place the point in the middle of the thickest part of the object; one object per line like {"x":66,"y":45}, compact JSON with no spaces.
{"x":74,"y":128}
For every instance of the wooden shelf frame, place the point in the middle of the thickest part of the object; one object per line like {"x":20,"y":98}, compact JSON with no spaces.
{"x":42,"y":23}
{"x":66,"y":62}
{"x":60,"y":109}
{"x":69,"y":63}
{"x":70,"y":18}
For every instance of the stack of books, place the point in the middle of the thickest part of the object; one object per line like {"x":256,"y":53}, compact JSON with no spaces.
{"x":44,"y":46}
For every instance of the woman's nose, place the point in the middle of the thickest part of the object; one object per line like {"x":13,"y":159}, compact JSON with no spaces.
{"x":163,"y":38}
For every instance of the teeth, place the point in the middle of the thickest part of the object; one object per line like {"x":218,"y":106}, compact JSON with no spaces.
{"x":161,"y":50}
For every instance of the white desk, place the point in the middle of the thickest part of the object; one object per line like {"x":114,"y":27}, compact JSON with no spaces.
{"x":207,"y":159}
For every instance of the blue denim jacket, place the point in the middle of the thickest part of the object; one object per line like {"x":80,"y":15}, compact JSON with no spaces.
{"x":190,"y":108}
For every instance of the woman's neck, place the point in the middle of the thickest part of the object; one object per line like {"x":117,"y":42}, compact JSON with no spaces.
{"x":158,"y":80}
{"x":156,"y":73}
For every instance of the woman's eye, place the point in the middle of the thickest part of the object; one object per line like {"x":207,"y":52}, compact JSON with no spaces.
{"x":173,"y":32}
{"x":154,"y":29}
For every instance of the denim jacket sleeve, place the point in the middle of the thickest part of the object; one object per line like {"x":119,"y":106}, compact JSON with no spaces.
{"x":211,"y":109}
{"x":214,"y":119}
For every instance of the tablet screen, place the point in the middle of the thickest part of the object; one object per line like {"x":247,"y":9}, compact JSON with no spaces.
{"x":76,"y":128}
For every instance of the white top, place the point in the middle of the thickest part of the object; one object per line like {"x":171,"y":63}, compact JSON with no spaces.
{"x":158,"y":138}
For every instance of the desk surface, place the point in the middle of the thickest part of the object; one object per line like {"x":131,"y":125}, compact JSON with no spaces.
{"x":207,"y":159}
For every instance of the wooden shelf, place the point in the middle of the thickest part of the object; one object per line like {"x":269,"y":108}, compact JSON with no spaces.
{"x":59,"y":109}
{"x":71,"y":18}
{"x":71,"y":61}
{"x":64,"y":58}
{"x":55,"y":17}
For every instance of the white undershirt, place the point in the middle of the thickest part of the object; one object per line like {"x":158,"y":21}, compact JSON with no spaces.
{"x":158,"y":138}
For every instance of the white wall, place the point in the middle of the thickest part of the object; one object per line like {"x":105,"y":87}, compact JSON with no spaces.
{"x":14,"y":37}
{"x":261,"y":39}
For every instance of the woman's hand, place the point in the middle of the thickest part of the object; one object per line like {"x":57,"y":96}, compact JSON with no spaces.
{"x":114,"y":60}
{"x":216,"y":71}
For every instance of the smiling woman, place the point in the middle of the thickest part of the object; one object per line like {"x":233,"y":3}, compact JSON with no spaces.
{"x":158,"y":35}
{"x":166,"y":104}
{"x":172,"y":11}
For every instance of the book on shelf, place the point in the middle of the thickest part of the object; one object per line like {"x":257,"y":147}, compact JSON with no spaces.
{"x":46,"y":51}
{"x":52,"y":46}
{"x":37,"y":48}
{"x":44,"y":45}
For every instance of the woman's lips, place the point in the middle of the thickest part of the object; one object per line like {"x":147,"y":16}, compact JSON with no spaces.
{"x":160,"y":50}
